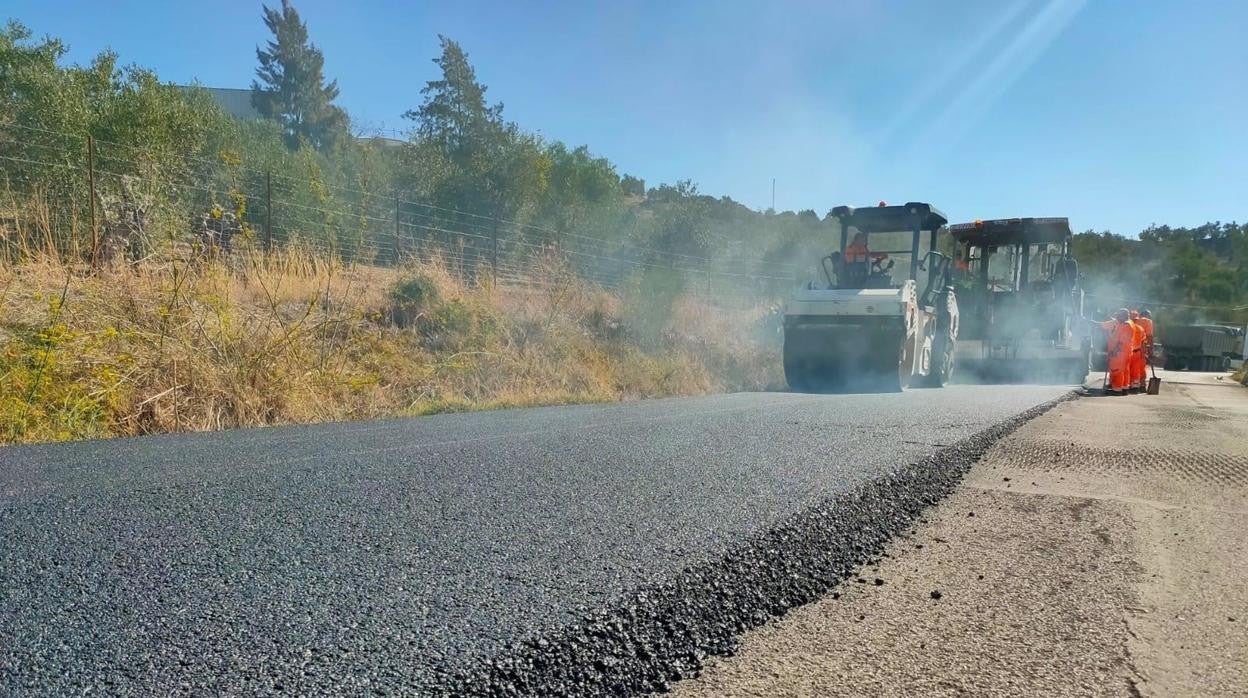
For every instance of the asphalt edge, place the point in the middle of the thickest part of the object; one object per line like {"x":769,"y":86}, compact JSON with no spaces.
{"x":659,"y":634}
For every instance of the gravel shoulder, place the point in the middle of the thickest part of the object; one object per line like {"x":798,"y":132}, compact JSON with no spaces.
{"x":1097,"y":550}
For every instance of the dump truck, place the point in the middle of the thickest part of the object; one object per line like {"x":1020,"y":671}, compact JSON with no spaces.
{"x":1202,"y":347}
{"x":880,"y":316}
{"x":1018,"y":289}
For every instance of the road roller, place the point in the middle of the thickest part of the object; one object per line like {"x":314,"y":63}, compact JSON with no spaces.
{"x":880,"y":314}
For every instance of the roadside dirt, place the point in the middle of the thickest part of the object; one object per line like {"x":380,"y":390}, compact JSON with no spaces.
{"x":1102,"y":549}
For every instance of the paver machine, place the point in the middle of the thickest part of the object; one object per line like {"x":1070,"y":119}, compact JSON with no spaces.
{"x":883,"y":316}
{"x":1018,"y":286}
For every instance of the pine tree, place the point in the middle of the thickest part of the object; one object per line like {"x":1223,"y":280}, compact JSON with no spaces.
{"x":454,"y":115}
{"x":491,"y":164}
{"x":292,"y":87}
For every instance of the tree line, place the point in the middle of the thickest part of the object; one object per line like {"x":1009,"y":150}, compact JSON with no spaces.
{"x":181,"y":154}
{"x":1189,"y":275}
{"x":463,"y":157}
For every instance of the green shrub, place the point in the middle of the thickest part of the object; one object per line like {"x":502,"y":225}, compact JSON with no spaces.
{"x":447,"y":326}
{"x":412,"y":299}
{"x":650,"y":297}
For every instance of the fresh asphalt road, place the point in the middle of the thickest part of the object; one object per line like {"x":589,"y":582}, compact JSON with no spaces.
{"x":380,"y":555}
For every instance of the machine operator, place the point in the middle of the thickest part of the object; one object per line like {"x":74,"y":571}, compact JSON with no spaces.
{"x":859,"y":260}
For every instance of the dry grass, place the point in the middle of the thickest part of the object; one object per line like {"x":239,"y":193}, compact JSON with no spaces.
{"x":298,"y":337}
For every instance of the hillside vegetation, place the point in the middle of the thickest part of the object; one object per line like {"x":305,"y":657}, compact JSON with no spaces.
{"x":166,"y":266}
{"x":296,"y":336}
{"x":1187,"y":275}
{"x":184,"y":270}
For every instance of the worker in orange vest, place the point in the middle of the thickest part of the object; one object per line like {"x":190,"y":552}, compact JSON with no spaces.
{"x":857,"y":259}
{"x":1137,"y":353}
{"x":857,"y":252}
{"x":1120,"y":334}
{"x":1146,"y":321}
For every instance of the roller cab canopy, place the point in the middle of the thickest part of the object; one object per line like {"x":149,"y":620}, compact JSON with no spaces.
{"x":1012,"y":231}
{"x":891,"y":219}
{"x":901,"y":227}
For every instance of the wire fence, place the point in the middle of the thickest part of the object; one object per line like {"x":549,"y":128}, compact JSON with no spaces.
{"x":107,"y":201}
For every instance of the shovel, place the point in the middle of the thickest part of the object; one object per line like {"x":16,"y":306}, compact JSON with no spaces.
{"x":1154,"y":383}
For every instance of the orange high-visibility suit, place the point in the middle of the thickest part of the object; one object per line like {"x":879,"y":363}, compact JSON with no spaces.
{"x":1137,"y":354}
{"x":1147,"y":324}
{"x":1118,"y":347}
{"x":856,"y":253}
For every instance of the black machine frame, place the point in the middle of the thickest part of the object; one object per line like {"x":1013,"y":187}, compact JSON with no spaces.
{"x":914,"y":217}
{"x":990,"y":235}
{"x":1003,"y":340}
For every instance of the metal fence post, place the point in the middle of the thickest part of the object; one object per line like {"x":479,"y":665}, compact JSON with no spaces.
{"x":95,"y":232}
{"x":494,"y":255}
{"x":268,"y":211}
{"x":398,"y":249}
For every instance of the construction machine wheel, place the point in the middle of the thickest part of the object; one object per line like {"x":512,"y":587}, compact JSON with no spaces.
{"x":902,"y":371}
{"x":1080,"y":370}
{"x":796,"y":371}
{"x":940,"y":369}
{"x":842,"y":359}
{"x":891,"y":373}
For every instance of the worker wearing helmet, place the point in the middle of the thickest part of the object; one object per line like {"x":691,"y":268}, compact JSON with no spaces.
{"x":1119,"y":334}
{"x":857,"y":252}
{"x":1137,"y":366}
{"x":1146,"y":321}
{"x":857,"y":258}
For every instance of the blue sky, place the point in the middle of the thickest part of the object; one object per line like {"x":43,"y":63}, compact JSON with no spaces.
{"x":1117,"y":113}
